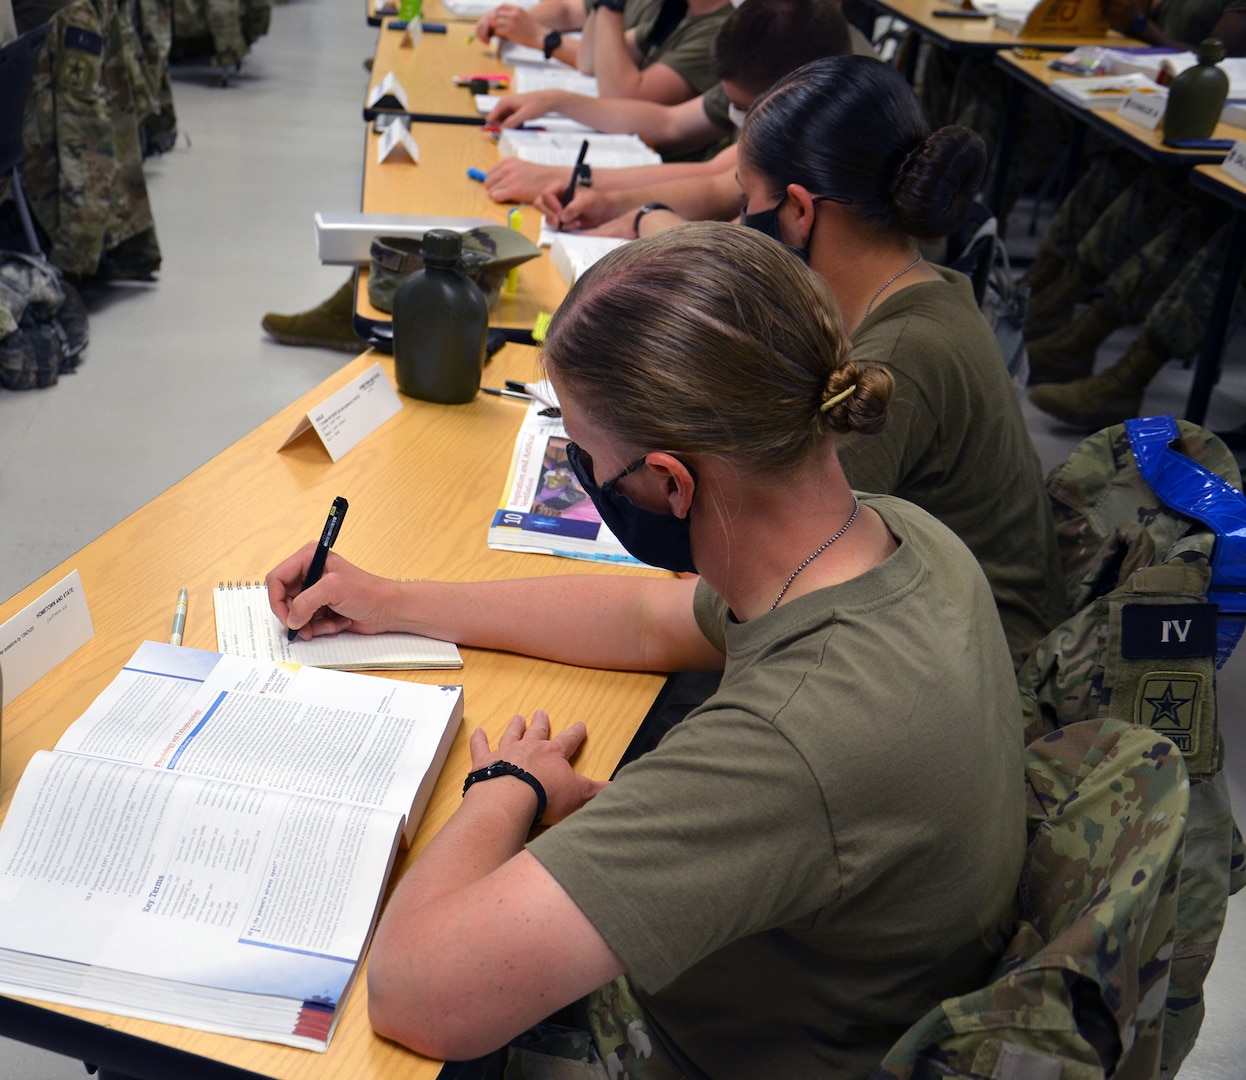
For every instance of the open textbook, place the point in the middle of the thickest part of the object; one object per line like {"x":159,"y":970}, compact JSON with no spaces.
{"x":544,"y":509}
{"x":246,"y":626}
{"x":208,"y":844}
{"x":561,"y":148}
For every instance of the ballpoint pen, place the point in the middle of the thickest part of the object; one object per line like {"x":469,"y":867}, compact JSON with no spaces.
{"x":179,"y":617}
{"x":506,"y":393}
{"x":331,"y":528}
{"x":569,"y":194}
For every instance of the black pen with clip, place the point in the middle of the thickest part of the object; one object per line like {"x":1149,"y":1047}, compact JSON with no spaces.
{"x":332,"y":527}
{"x":569,"y":194}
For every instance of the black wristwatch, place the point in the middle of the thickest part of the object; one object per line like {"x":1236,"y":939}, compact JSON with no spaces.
{"x":611,"y":5}
{"x":505,"y":768}
{"x":552,"y":40}
{"x":648,"y":208}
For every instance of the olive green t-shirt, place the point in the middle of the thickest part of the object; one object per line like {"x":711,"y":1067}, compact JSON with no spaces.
{"x":1190,"y":21}
{"x":688,"y":49}
{"x":830,"y":845}
{"x":957,"y":446}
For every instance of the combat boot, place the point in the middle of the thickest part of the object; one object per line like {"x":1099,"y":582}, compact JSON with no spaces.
{"x":330,"y":325}
{"x":1069,"y":353}
{"x":1045,"y":269}
{"x":1052,"y":307}
{"x":1110,"y":397}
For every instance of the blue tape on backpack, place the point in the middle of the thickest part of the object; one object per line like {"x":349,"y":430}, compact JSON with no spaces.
{"x":1185,"y":486}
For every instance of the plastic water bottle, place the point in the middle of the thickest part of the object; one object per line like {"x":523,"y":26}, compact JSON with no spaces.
{"x":441,"y":322}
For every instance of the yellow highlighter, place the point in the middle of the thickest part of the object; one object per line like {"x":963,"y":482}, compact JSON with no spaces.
{"x":515,"y":220}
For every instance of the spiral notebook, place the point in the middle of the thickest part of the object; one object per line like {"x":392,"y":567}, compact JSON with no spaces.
{"x":246,"y":626}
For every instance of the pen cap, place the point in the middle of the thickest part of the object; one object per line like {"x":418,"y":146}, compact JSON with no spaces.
{"x":441,"y":325}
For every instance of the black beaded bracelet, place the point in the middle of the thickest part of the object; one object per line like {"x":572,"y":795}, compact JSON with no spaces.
{"x":505,"y":768}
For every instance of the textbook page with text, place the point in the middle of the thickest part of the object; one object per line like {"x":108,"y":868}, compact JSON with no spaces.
{"x":209,"y":843}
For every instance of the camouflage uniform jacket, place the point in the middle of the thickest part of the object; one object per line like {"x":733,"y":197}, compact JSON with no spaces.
{"x":1079,"y":993}
{"x":83,"y":172}
{"x":1132,"y":565}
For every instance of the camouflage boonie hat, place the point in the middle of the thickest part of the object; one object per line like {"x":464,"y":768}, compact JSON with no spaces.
{"x":488,"y":253}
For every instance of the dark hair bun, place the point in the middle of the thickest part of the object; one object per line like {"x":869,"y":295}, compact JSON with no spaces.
{"x":937,"y":181}
{"x":865,"y":410}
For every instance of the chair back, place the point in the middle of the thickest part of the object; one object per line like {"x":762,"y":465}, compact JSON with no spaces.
{"x":1079,"y":994}
{"x":17,"y":68}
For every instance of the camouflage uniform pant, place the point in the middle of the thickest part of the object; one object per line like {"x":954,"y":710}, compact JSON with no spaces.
{"x":611,"y":1041}
{"x":969,"y":90}
{"x":1133,"y":227}
{"x":1177,"y":322}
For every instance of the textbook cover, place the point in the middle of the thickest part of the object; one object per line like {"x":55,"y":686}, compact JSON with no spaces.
{"x":544,"y":510}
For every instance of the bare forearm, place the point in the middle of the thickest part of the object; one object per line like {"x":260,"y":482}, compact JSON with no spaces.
{"x":693,"y":198}
{"x":604,"y":621}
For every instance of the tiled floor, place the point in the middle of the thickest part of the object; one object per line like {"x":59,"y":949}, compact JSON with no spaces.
{"x":178,"y":370}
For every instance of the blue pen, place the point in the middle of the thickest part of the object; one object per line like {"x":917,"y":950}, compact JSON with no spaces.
{"x":476,"y":174}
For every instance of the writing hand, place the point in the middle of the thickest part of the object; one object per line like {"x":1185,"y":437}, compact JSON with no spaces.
{"x":345,"y":597}
{"x":586,"y":208}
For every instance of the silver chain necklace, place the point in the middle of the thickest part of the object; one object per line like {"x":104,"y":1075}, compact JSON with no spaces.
{"x":894,"y":277}
{"x":856,"y":507}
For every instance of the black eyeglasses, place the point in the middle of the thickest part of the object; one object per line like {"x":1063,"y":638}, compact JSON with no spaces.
{"x":582,"y":465}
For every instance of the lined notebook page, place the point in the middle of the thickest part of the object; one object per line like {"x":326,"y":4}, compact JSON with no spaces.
{"x":246,"y":626}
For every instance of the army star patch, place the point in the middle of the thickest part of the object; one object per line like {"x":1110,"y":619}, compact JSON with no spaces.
{"x":1170,"y":703}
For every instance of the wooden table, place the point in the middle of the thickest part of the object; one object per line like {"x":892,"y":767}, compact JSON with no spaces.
{"x":972,"y":35}
{"x":426,"y":72}
{"x":422,"y":490}
{"x":439,"y":184}
{"x":434,"y":11}
{"x":1037,"y":76}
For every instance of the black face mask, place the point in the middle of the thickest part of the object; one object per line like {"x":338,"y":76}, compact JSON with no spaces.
{"x":766,"y":222}
{"x":661,"y":540}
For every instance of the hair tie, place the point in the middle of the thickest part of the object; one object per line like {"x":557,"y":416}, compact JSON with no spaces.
{"x":843,"y":395}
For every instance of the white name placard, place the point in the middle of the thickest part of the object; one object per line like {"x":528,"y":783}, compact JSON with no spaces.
{"x":345,"y":419}
{"x":44,"y":633}
{"x":1145,"y":110}
{"x":397,"y":144}
{"x":388,"y":93}
{"x":412,"y":34}
{"x":1235,"y":162}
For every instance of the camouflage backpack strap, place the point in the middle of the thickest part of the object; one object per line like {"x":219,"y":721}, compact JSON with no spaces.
{"x":1079,"y":992}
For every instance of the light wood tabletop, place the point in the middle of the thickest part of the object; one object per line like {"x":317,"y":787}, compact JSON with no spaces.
{"x":439,"y":184}
{"x":960,"y":34}
{"x":426,"y":70}
{"x":1038,"y":75}
{"x":422,"y":490}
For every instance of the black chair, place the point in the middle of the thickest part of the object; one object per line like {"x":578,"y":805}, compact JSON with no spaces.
{"x":17,"y":68}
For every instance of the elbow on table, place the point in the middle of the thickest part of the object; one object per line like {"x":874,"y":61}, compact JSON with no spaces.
{"x":426,"y":1022}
